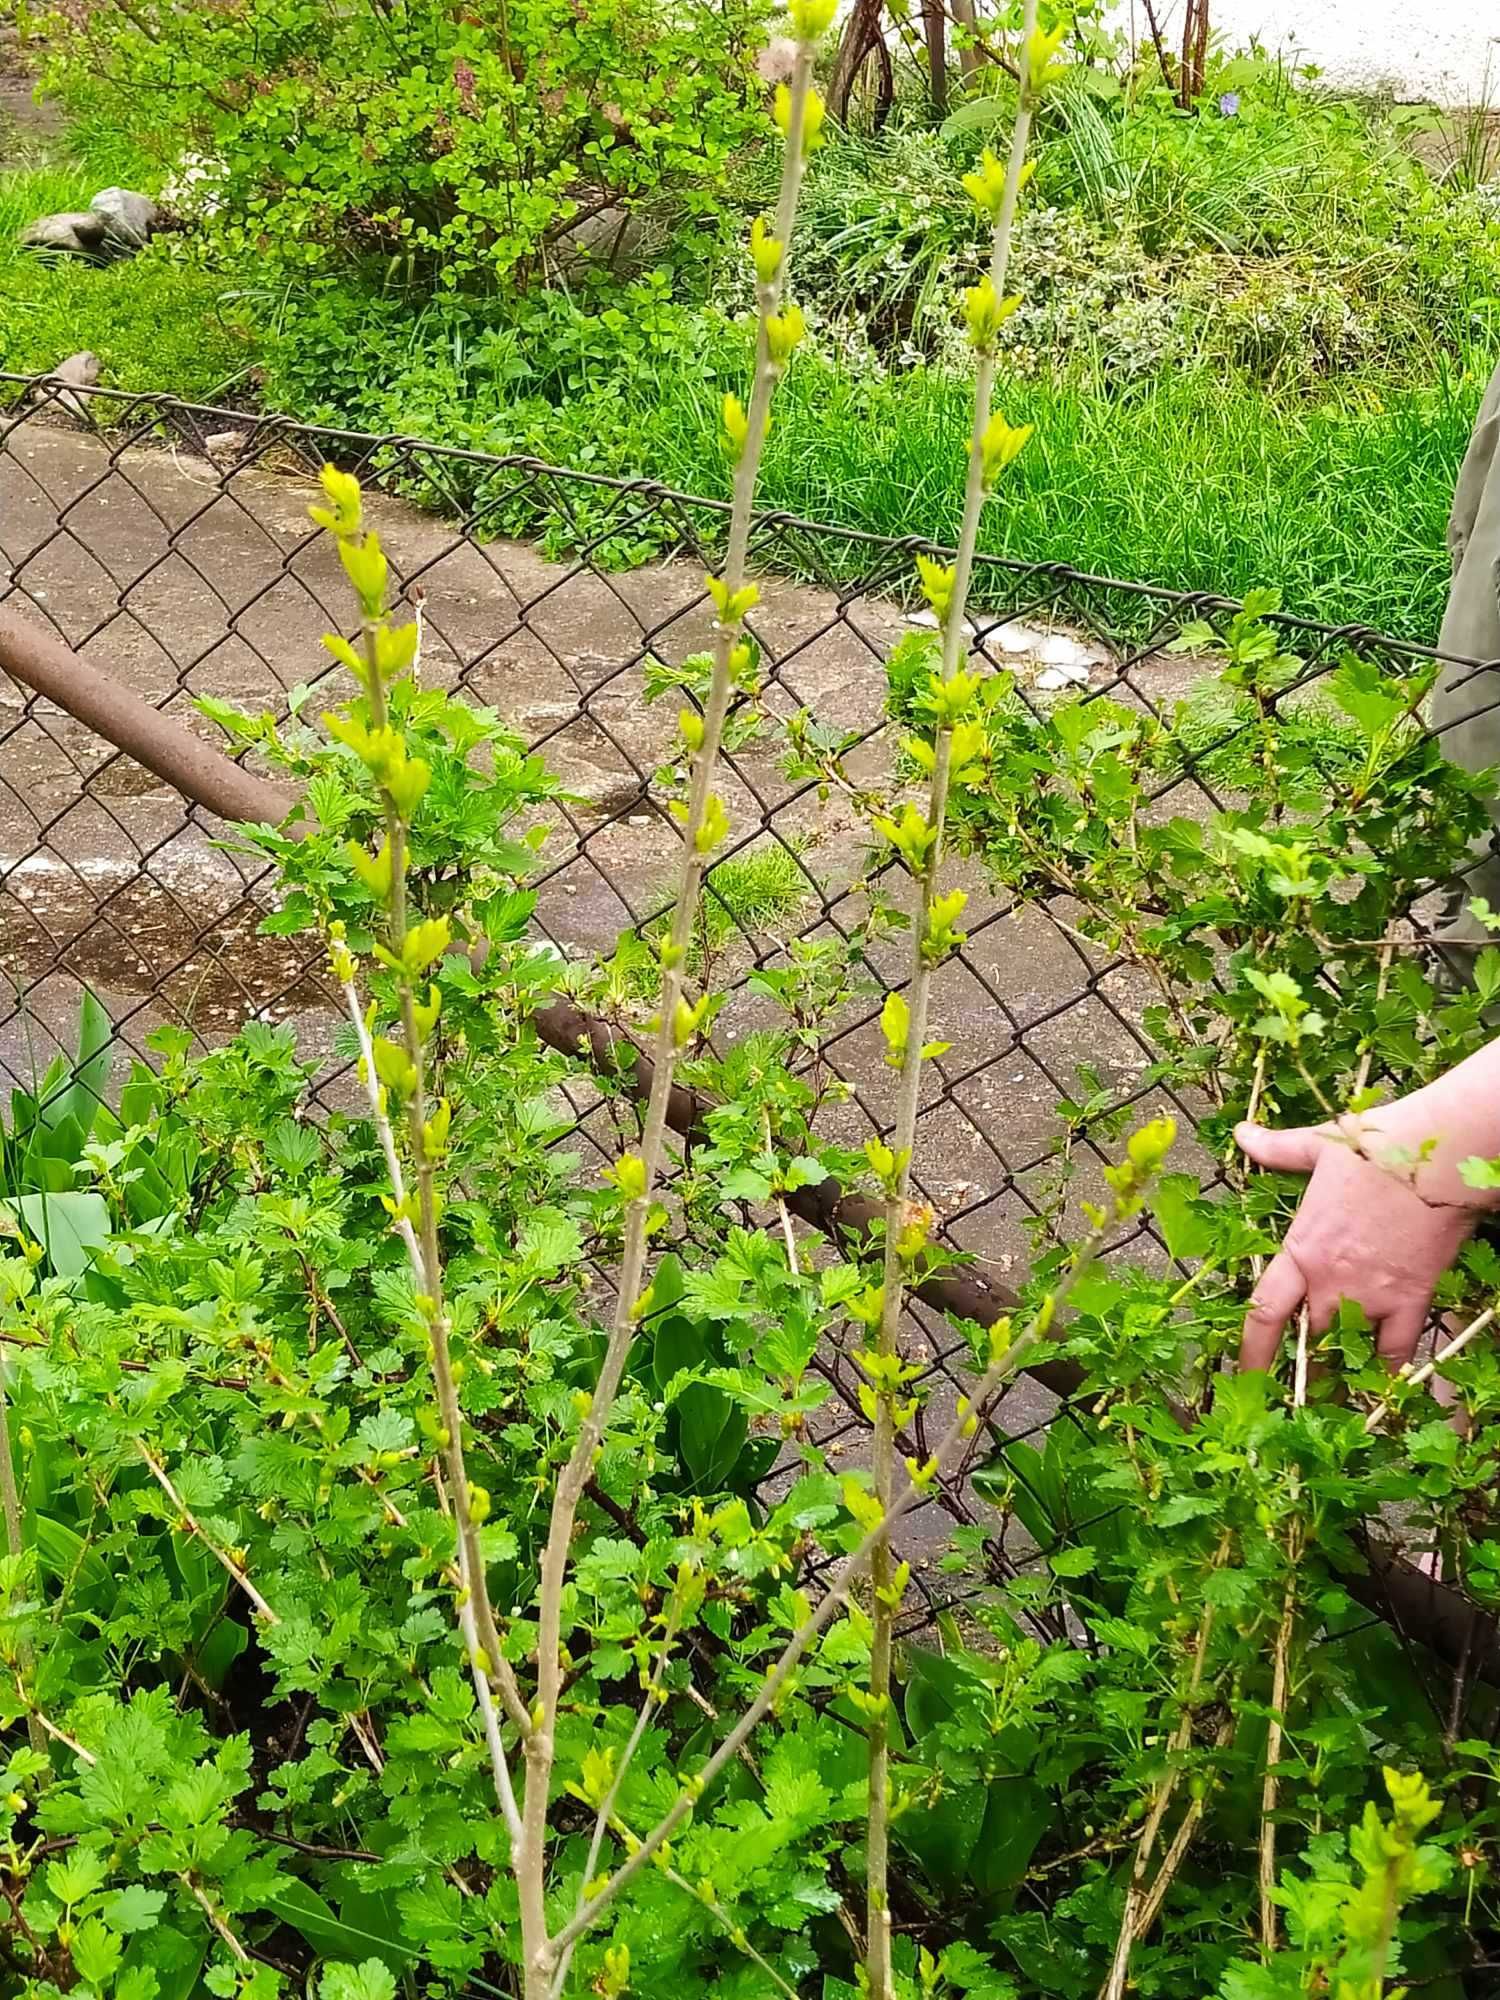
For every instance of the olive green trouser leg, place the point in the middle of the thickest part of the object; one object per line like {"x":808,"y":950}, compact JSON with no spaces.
{"x":1465,"y":703}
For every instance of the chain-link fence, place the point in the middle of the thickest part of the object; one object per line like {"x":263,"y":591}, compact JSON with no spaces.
{"x":170,"y":546}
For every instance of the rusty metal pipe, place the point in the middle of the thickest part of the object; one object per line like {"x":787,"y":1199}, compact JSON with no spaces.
{"x":165,"y":746}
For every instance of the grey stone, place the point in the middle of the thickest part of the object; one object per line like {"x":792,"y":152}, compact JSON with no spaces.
{"x":610,"y":236}
{"x":79,"y":371}
{"x":79,"y":235}
{"x":129,"y":218}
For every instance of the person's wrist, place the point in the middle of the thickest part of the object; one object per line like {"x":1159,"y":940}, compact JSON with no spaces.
{"x":1425,"y":1137}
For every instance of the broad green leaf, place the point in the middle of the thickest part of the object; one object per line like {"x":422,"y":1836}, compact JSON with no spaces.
{"x":677,"y":1344}
{"x":299,"y":1905}
{"x":78,"y":1874}
{"x":97,"y":1951}
{"x":72,"y":1228}
{"x":980,"y":114}
{"x":134,"y":1908}
{"x":1074,"y":1562}
{"x":1018,"y":1815}
{"x":64,"y":1554}
{"x":84,"y":1096}
{"x":217,"y":1653}
{"x":1186,"y":1230}
{"x":712,"y":1430}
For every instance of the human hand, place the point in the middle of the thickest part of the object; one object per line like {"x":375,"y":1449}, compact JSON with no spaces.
{"x":1362,"y":1233}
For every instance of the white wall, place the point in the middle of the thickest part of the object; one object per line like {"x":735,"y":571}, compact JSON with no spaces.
{"x":1436,"y":49}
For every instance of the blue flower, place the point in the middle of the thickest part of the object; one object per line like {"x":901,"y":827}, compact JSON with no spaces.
{"x":1229,"y":103}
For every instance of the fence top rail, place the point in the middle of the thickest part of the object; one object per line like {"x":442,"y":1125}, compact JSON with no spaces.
{"x":147,"y":407}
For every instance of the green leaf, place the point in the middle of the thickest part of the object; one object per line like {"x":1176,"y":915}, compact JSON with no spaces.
{"x":1367,"y":696}
{"x":84,"y":1097}
{"x":64,"y":1553}
{"x":678,"y":1347}
{"x":72,"y":1228}
{"x":980,"y":114}
{"x":1187,"y":1230}
{"x":1074,"y":1562}
{"x":78,"y":1874}
{"x":1187,"y":1507}
{"x":373,"y":1980}
{"x":712,"y":1430}
{"x":294,"y":1147}
{"x":217,"y":1653}
{"x":134,"y":1908}
{"x":667,"y":1289}
{"x":301,"y":1906}
{"x":943,"y":1836}
{"x":97,"y":1951}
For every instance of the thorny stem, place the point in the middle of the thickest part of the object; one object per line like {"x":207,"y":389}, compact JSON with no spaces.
{"x":1414,"y":1377}
{"x":953,"y":1443}
{"x":15,"y":1539}
{"x":707,"y":1897}
{"x":605,"y":1818}
{"x":1274,"y":1730}
{"x":1176,"y":1854}
{"x":884,"y":1594}
{"x":542,"y":1954}
{"x":1280,"y":1666}
{"x":1133,"y":1922}
{"x":216,"y":1917}
{"x":468,"y":1623}
{"x":487,"y":1663}
{"x":426,"y":1259}
{"x":783,"y":1213}
{"x":190,"y":1525}
{"x":50,"y":1728}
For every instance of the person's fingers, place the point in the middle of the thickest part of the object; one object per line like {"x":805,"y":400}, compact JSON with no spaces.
{"x":1322,"y":1309}
{"x":1400,"y":1331}
{"x":1294,"y":1151}
{"x":1272,"y":1304}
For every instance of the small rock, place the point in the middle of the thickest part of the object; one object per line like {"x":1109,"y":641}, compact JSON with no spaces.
{"x":69,"y":235}
{"x":1060,"y":649}
{"x":929,"y":621}
{"x":610,"y":235}
{"x":1016,"y":637}
{"x":79,"y":371}
{"x":224,"y":444}
{"x":129,"y":219}
{"x":1052,"y":678}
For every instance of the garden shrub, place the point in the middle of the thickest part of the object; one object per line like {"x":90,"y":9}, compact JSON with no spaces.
{"x":453,"y":145}
{"x":392,"y":1602}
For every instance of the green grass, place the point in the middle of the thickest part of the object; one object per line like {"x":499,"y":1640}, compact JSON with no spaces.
{"x":1195,"y":479}
{"x":751,"y":893}
{"x":746,"y":897}
{"x":155,"y":321}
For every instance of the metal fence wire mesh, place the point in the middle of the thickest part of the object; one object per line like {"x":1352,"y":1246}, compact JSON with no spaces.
{"x":170,"y":546}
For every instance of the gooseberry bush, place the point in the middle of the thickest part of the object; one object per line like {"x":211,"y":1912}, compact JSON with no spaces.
{"x":394,"y":1599}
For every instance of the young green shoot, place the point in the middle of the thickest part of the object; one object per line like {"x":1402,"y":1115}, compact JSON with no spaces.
{"x":917,"y":841}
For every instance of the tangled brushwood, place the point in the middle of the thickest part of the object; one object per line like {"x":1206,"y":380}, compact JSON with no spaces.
{"x":396,"y":1600}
